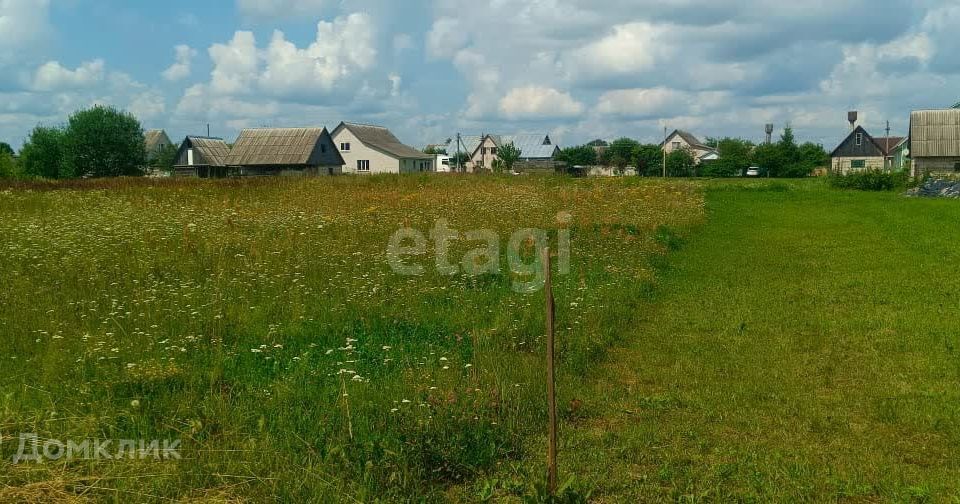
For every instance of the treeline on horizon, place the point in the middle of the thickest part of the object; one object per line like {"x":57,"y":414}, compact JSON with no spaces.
{"x":784,"y":158}
{"x":100,"y":141}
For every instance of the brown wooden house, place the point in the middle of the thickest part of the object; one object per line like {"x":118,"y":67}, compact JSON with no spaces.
{"x":201,"y":157}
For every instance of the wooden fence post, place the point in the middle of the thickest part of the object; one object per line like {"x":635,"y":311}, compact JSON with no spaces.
{"x":551,"y":381}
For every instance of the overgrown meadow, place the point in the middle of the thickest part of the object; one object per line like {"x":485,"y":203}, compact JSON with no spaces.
{"x":259,"y":322}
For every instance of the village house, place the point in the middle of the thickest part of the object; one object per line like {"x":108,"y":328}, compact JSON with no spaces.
{"x":155,"y":141}
{"x":201,"y":157}
{"x":935,"y":142}
{"x":285,"y":151}
{"x":536,"y":151}
{"x":368,"y":149}
{"x":680,"y":139}
{"x":861,"y":151}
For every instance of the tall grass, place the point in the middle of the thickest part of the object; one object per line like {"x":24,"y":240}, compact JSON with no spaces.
{"x":258,"y":322}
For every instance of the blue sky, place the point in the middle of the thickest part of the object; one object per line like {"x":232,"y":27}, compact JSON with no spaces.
{"x":578,"y":69}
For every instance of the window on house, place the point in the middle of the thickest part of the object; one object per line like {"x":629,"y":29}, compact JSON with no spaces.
{"x":323,"y":148}
{"x":345,"y":147}
{"x":493,"y":151}
{"x":859,"y":139}
{"x":363,"y":165}
{"x":858,"y":163}
{"x":676,"y":145}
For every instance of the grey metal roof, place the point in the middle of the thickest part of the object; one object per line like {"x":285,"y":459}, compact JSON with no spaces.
{"x":531,"y":146}
{"x":207,"y":151}
{"x":382,"y":139}
{"x":935,"y":133}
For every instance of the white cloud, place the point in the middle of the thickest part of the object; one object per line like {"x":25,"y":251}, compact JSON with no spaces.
{"x":23,"y":23}
{"x":341,"y":49}
{"x":628,"y":49}
{"x":180,"y":69}
{"x":281,"y":8}
{"x":659,"y":102}
{"x":52,"y":76}
{"x":235,"y":64}
{"x":446,"y":37}
{"x":534,"y":103}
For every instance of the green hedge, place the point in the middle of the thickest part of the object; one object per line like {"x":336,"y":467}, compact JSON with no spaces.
{"x":870,"y":180}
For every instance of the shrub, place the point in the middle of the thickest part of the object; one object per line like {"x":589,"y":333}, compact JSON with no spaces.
{"x":870,"y":180}
{"x":8,"y":166}
{"x":42,"y":154}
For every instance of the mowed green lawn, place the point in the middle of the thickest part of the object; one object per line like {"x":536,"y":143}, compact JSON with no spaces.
{"x":803,"y":346}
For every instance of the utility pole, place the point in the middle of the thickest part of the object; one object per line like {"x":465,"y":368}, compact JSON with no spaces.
{"x":664,"y":152}
{"x":459,"y":169}
{"x":886,"y":152}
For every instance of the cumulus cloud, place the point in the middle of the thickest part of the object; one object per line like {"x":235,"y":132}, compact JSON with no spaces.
{"x":655,"y":103}
{"x":446,"y":37}
{"x":23,"y":23}
{"x":537,"y":103}
{"x":52,"y":76}
{"x":341,"y":49}
{"x":249,"y":81}
{"x":180,"y":69}
{"x":281,"y":8}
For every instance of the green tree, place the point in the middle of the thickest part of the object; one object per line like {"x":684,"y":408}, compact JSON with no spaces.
{"x":8,"y":166}
{"x":814,"y":155}
{"x":734,"y":159}
{"x":165,"y":159}
{"x":649,"y":160}
{"x":621,"y":152}
{"x":768,"y":157}
{"x":578,"y":156}
{"x":104,"y":142}
{"x":508,"y":155}
{"x":6,"y":149}
{"x":681,"y":163}
{"x":434,"y":150}
{"x":42,"y":154}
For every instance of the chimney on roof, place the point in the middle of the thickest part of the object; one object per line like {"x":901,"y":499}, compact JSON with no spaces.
{"x":852,"y":117}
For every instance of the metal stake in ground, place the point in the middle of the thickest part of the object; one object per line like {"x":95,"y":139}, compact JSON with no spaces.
{"x":551,"y":382}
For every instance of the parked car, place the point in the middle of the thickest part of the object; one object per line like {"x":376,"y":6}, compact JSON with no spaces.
{"x":753,"y":171}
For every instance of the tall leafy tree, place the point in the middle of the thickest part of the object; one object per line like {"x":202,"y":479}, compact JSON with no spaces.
{"x":104,"y":142}
{"x":649,"y":160}
{"x":681,"y":163}
{"x":43,"y":156}
{"x":734,"y":158}
{"x":6,"y":149}
{"x":508,"y":155}
{"x":578,"y":156}
{"x":621,"y":152}
{"x":8,"y":166}
{"x":165,"y":159}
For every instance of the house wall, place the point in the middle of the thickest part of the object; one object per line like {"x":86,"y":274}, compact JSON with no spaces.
{"x":483,"y":158}
{"x":844,"y":165}
{"x":670,"y":147}
{"x":379,"y":162}
{"x":935,"y":165}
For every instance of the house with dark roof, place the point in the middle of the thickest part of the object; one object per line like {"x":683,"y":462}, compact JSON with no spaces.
{"x":536,"y":151}
{"x":369,"y":149}
{"x":680,"y":139}
{"x":155,"y":141}
{"x":285,"y":151}
{"x":935,"y":141}
{"x":201,"y":157}
{"x":861,"y":151}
